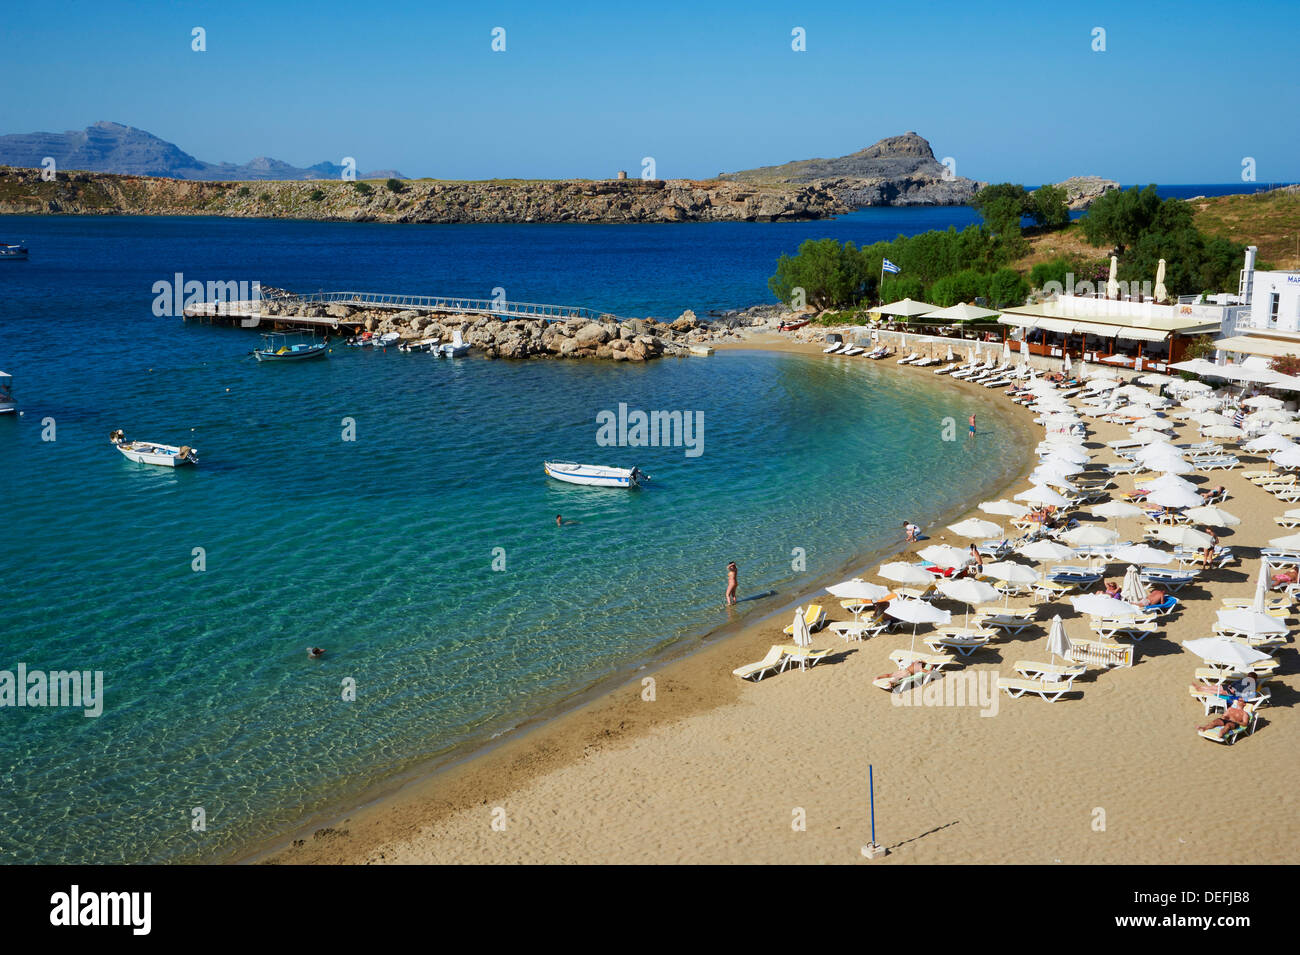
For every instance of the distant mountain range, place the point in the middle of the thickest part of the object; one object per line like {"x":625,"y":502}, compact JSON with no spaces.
{"x":114,"y":148}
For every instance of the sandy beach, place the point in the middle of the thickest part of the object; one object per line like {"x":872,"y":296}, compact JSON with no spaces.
{"x":708,"y":768}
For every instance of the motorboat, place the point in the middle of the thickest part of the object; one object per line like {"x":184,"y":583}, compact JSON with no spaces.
{"x":388,"y":338}
{"x":10,"y":251}
{"x":424,"y":344}
{"x":149,"y":452}
{"x":280,"y":347}
{"x":7,"y":403}
{"x":364,"y":340}
{"x":594,"y":475}
{"x":456,"y":348}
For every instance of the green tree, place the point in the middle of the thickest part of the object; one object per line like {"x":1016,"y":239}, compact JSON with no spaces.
{"x":830,"y":274}
{"x":896,"y":288}
{"x":395,"y":185}
{"x":1121,"y":216}
{"x":1002,"y":206}
{"x":964,"y":286}
{"x":1048,"y":207}
{"x":1007,"y":287}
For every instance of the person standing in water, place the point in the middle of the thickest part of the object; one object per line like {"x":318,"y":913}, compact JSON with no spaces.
{"x":733,"y":573}
{"x":971,"y":432}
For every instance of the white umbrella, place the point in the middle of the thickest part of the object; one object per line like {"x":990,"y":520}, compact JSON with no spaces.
{"x":1192,"y":386}
{"x":802,"y":637}
{"x":1203,"y":403}
{"x":1269,"y":441}
{"x":1141,"y":554}
{"x":1153,"y":423}
{"x":943,"y":555}
{"x":1005,"y":508}
{"x":1287,"y":457}
{"x":1289,"y":428}
{"x":916,"y":612}
{"x":1224,"y":651}
{"x":1101,"y":384}
{"x":1010,"y":571}
{"x":1289,"y":542}
{"x":1207,"y":418}
{"x":1024,"y":348}
{"x":1100,"y":605}
{"x":1132,"y":589}
{"x":1072,"y":453}
{"x":1044,"y":550}
{"x":858,"y":590}
{"x":1222,"y":431}
{"x":1067,"y":363}
{"x":1160,"y":293}
{"x":1006,"y":352}
{"x":1267,"y":416}
{"x":902,"y":573}
{"x":1252,"y":623}
{"x":1090,"y":535}
{"x":1118,"y":509}
{"x":1156,"y":379}
{"x":974,"y":527}
{"x":1263,"y":401}
{"x":967,"y":591}
{"x":1174,"y":497}
{"x":1215,"y":517}
{"x":1168,"y":482}
{"x":1058,"y":644}
{"x":1181,"y":536}
{"x":1147,"y":436}
{"x":1042,"y":495}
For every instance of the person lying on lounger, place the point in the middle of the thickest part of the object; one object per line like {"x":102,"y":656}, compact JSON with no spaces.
{"x":1154,"y":596}
{"x":1112,"y":590}
{"x":916,"y":666}
{"x":1213,"y":493}
{"x":1234,"y":717}
{"x":1284,"y":578}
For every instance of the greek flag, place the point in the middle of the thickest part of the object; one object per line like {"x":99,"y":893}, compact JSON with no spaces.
{"x":889,"y":266}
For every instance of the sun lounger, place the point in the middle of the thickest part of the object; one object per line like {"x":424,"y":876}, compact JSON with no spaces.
{"x":775,"y":661}
{"x":1222,"y":734}
{"x":1260,"y":641}
{"x":901,"y":658}
{"x":1222,"y":462}
{"x":965,"y":644}
{"x":1165,"y":607}
{"x":805,"y":656}
{"x":1173,"y":580}
{"x":1218,"y":700}
{"x":857,"y":630}
{"x":909,"y":682}
{"x":1279,"y":607}
{"x":1279,"y":556}
{"x":1262,"y":668}
{"x":1012,"y":621}
{"x":814,"y":616}
{"x":832,"y":349}
{"x":1269,"y":477}
{"x":1032,"y":670}
{"x":907,"y":360}
{"x":1051,"y":590}
{"x":1136,"y":628}
{"x":1049,"y":690}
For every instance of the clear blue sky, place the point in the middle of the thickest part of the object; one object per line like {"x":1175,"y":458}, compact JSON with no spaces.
{"x":1183,"y":91}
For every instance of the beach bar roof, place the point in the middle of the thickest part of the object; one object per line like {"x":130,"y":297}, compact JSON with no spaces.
{"x":907,"y":307}
{"x":962,"y":312}
{"x":1127,"y":321}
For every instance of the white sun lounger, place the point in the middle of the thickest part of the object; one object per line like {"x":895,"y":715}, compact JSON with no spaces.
{"x":1049,"y":690}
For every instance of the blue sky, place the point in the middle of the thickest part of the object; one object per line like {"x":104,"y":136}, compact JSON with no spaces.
{"x":1182,"y":92}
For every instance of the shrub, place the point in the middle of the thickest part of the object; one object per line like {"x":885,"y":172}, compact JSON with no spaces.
{"x":316,"y":195}
{"x":362,"y":187}
{"x":395,"y":185}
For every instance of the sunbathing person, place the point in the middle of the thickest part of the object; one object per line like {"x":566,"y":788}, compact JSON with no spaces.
{"x":916,"y":666}
{"x":1113,"y":590}
{"x":1213,"y":493}
{"x":1234,"y":717}
{"x":1155,"y":597}
{"x":1280,"y":580}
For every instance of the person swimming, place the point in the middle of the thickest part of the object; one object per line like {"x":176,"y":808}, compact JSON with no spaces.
{"x":315,"y":653}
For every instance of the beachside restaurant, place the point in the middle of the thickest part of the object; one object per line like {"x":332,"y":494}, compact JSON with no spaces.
{"x":1137,"y":335}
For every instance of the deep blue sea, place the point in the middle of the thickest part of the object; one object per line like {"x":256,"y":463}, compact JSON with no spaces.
{"x":423,"y":555}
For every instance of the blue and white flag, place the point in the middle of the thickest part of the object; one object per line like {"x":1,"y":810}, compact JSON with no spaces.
{"x":889,"y":266}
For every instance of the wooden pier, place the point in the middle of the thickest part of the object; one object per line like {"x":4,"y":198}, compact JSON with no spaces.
{"x":254,"y":314}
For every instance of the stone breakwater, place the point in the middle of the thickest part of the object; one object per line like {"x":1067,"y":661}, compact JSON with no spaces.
{"x":22,"y":191}
{"x":629,"y":339}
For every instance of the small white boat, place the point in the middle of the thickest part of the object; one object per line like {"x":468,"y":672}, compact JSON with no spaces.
{"x":147,"y":452}
{"x":388,"y":338}
{"x":424,"y":344}
{"x":594,"y":475}
{"x":456,"y":348}
{"x":10,"y":251}
{"x":7,"y":403}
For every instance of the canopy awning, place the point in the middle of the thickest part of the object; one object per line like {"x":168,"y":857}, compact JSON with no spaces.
{"x":906,"y":307}
{"x":1130,"y":334}
{"x":963,"y":312}
{"x":1258,"y":345}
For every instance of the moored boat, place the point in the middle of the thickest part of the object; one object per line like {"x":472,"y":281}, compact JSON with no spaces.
{"x":149,"y":452}
{"x":456,"y":348}
{"x":389,"y":338}
{"x":593,"y":475}
{"x":424,"y":344}
{"x":10,"y":251}
{"x":7,"y":404}
{"x":279,"y":347}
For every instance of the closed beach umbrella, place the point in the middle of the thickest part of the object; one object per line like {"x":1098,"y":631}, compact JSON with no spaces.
{"x":1181,"y":536}
{"x":1066,"y":365}
{"x":1227,"y":652}
{"x":1132,"y":589}
{"x":1004,"y":508}
{"x":1215,"y":517}
{"x":1024,"y":348}
{"x":1252,"y":623}
{"x":1289,"y":542}
{"x":974,"y":527}
{"x":802,"y":637}
{"x":943,"y":555}
{"x":1099,"y":605}
{"x":902,"y":573}
{"x":1006,"y":352}
{"x":1261,"y":588}
{"x":1058,"y":644}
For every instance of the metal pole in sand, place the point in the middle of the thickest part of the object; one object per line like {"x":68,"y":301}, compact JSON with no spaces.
{"x":873,"y":849}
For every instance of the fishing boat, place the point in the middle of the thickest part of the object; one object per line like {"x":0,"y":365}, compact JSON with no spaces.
{"x":7,"y":404}
{"x":147,"y":452}
{"x":791,"y":326}
{"x":10,"y":251}
{"x":456,"y":348}
{"x":280,"y":347}
{"x":594,"y":475}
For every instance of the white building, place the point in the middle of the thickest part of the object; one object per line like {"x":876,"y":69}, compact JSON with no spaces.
{"x":1271,"y":326}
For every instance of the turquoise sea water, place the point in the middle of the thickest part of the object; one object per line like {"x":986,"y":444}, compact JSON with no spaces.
{"x":381,"y":549}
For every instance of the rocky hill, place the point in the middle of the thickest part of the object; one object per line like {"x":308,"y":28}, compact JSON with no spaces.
{"x":433,"y":201}
{"x":115,"y":148}
{"x":898,"y":170}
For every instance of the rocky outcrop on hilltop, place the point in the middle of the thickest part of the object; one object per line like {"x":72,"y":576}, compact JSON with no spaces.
{"x":429,"y":201}
{"x":1080,"y":191}
{"x":897,"y":170}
